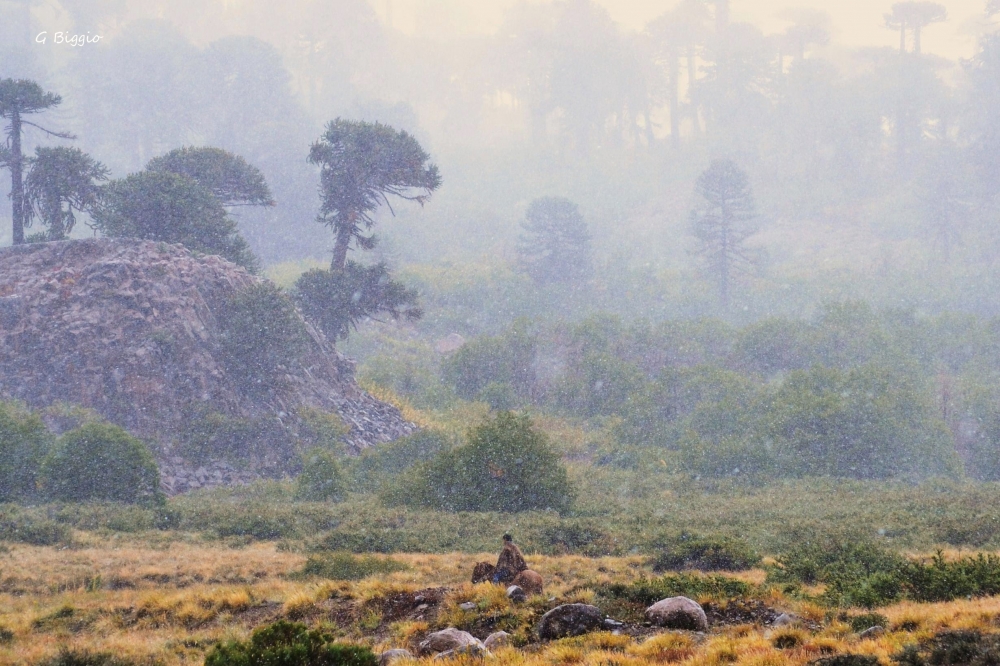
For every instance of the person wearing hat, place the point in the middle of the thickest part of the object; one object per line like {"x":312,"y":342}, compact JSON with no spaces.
{"x":510,"y":563}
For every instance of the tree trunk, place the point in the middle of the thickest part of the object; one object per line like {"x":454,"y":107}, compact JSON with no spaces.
{"x":344,"y":234}
{"x":692,"y":73}
{"x":916,"y":39}
{"x":902,"y":37}
{"x":675,"y":84}
{"x":16,"y":177}
{"x":724,"y":264}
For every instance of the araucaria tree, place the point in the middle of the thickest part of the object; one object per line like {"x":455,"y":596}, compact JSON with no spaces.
{"x":233,"y":180}
{"x":555,"y":245}
{"x":361,"y":165}
{"x":722,"y":221}
{"x":60,"y":181}
{"x":20,"y":98}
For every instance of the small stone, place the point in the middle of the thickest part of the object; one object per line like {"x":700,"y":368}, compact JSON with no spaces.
{"x":390,"y":656}
{"x":784,"y":620}
{"x":516,"y":594}
{"x":468,"y":606}
{"x":497,"y":639}
{"x":471,"y":650}
{"x":447,"y":640}
{"x":872,"y":632}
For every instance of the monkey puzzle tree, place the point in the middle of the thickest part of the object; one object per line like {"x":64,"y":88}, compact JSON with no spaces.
{"x":233,"y":180}
{"x":171,"y":208}
{"x":914,"y":16}
{"x":361,"y":165}
{"x":723,"y":221}
{"x":60,"y":181}
{"x":19,"y":98}
{"x":555,"y":246}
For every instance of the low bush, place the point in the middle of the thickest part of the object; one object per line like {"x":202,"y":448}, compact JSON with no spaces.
{"x":24,"y":442}
{"x":23,"y":528}
{"x":648,"y":591}
{"x":868,"y":620}
{"x":74,"y":657}
{"x":321,"y":479}
{"x":689,"y":551}
{"x":506,"y":466}
{"x":289,"y":644}
{"x":952,"y":648}
{"x":261,"y":334}
{"x":378,"y":464}
{"x":100,"y":461}
{"x":345,"y":566}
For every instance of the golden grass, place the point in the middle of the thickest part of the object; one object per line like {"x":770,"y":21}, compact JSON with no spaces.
{"x":170,"y":604}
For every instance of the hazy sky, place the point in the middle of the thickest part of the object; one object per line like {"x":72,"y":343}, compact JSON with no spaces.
{"x":857,"y":22}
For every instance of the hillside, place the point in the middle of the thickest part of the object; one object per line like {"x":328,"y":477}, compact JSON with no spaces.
{"x":131,"y":329}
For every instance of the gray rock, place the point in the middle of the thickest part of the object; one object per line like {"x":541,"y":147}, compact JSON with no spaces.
{"x":570,"y":620}
{"x":390,"y":656}
{"x":448,"y":640}
{"x":872,"y":632}
{"x":784,"y":620}
{"x":516,"y":594}
{"x":612,"y":625}
{"x":497,"y":639}
{"x":678,"y":613}
{"x":467,"y":606}
{"x":464,"y":651}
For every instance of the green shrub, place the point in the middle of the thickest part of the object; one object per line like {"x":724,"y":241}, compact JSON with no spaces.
{"x":6,"y":635}
{"x":74,"y":657}
{"x":952,"y":648}
{"x":943,"y":580}
{"x":344,"y":566}
{"x":865,"y":621}
{"x":506,"y":361}
{"x":648,"y":591}
{"x":506,"y":466}
{"x":583,"y":536}
{"x":24,"y":528}
{"x":100,"y":461}
{"x":24,"y":442}
{"x":321,"y":479}
{"x":289,"y":644}
{"x":209,"y":435}
{"x":378,"y":464}
{"x":261,"y":334}
{"x":688,"y":551}
{"x":847,"y":660}
{"x":338,"y":300}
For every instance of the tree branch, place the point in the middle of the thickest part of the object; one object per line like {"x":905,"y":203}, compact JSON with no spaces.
{"x":60,"y":135}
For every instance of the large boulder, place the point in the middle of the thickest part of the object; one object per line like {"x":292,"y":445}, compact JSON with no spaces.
{"x":570,"y":620}
{"x":133,"y":330}
{"x":450,"y":639}
{"x":678,"y":613}
{"x":390,"y":656}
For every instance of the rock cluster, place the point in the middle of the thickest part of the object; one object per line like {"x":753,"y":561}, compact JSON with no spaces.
{"x":129,"y":329}
{"x":177,"y":475}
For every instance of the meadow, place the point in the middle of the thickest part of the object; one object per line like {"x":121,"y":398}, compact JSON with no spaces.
{"x":162,"y":585}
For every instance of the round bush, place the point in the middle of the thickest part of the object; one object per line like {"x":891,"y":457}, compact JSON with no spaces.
{"x":321,"y":479}
{"x":100,"y":461}
{"x":506,"y":466}
{"x":24,"y":441}
{"x":289,"y":644}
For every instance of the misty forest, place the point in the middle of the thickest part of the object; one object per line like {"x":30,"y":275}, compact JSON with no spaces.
{"x":542,"y":332}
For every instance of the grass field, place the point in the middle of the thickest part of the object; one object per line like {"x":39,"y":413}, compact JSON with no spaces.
{"x":111,"y":582}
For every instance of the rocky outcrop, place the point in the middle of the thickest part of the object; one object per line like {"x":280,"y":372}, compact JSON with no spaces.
{"x":130,"y":329}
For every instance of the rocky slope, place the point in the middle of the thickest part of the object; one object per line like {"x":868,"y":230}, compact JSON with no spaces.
{"x":130,"y":329}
